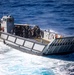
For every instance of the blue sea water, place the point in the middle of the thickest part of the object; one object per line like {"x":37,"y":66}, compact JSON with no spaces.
{"x":57,"y":15}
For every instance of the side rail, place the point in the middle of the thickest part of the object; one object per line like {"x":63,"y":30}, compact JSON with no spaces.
{"x":28,"y":45}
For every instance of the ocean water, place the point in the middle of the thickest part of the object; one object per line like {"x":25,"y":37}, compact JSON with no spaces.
{"x":57,"y":15}
{"x":15,"y":62}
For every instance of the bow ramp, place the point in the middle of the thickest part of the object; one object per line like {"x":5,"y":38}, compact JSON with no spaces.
{"x":60,"y":46}
{"x":57,"y":46}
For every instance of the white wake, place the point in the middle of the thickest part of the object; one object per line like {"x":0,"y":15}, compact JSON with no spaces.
{"x":15,"y":62}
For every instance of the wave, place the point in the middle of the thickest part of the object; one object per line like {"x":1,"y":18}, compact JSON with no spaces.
{"x":18,"y":63}
{"x":31,"y":5}
{"x":70,"y":28}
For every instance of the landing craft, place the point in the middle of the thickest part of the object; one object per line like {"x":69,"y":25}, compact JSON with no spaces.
{"x":32,"y":39}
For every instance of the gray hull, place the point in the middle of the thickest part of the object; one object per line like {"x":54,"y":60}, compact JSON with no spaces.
{"x":57,"y":46}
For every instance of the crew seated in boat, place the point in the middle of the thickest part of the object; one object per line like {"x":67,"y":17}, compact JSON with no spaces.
{"x":17,"y":30}
{"x":36,"y":31}
{"x":26,"y":31}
